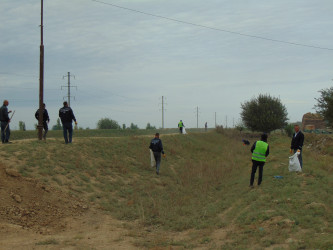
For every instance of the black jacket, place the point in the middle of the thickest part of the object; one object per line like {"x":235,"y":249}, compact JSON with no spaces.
{"x":297,"y":142}
{"x":45,"y":115}
{"x":4,"y":114}
{"x":156,"y":145}
{"x":66,"y":115}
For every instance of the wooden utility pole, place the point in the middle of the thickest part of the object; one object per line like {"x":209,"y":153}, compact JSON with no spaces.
{"x":41,"y":79}
{"x":197,"y":117}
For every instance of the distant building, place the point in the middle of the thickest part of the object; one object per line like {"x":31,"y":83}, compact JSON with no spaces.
{"x":313,"y":121}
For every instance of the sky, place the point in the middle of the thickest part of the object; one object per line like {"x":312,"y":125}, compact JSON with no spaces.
{"x":203,"y":57}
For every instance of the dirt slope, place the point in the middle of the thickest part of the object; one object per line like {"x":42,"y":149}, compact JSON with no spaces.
{"x":35,"y":216}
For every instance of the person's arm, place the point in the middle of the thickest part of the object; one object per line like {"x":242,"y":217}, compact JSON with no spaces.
{"x":37,"y":114}
{"x":161,"y":147}
{"x":72,"y":115}
{"x":301,"y":141}
{"x":253,"y":147}
{"x":267,"y":151}
{"x":47,"y":118}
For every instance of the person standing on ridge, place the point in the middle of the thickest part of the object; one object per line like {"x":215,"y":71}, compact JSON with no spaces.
{"x":206,"y":126}
{"x":5,"y":120}
{"x":260,"y":150}
{"x":157,"y":148}
{"x":297,"y":143}
{"x":180,"y":126}
{"x":67,"y":116}
{"x":46,"y":120}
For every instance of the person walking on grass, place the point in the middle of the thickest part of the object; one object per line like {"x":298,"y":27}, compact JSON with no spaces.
{"x":46,"y":120}
{"x":5,"y":120}
{"x":260,"y":150}
{"x":297,"y":144}
{"x":180,"y":126}
{"x":67,"y":116}
{"x":157,"y":148}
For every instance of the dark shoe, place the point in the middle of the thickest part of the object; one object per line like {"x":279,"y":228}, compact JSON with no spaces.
{"x":157,"y":173}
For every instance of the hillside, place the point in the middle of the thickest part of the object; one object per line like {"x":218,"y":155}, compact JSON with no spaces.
{"x":101,"y":193}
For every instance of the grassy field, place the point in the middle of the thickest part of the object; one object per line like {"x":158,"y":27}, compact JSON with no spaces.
{"x":201,"y":198}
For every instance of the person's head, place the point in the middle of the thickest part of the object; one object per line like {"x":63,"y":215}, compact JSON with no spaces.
{"x":5,"y":102}
{"x":44,"y":105}
{"x":296,"y":127}
{"x":65,"y":104}
{"x":264,"y":137}
{"x":181,"y":120}
{"x":157,"y":135}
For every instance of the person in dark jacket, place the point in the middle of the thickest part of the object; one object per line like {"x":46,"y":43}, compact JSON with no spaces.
{"x":297,"y":143}
{"x":4,"y":118}
{"x":67,"y":116}
{"x":46,"y":120}
{"x":157,"y":148}
{"x":260,"y":150}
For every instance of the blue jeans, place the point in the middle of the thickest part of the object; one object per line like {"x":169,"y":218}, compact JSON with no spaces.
{"x":5,"y":134}
{"x":299,"y":157}
{"x":67,"y":127}
{"x":157,"y":156}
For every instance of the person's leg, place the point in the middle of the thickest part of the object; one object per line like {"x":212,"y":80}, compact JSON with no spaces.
{"x":7,"y":133}
{"x":254,"y":170}
{"x":3,"y":132}
{"x":261,"y":169}
{"x":46,"y":128}
{"x":70,"y":132}
{"x":64,"y":127}
{"x":157,"y":156}
{"x":300,"y":159}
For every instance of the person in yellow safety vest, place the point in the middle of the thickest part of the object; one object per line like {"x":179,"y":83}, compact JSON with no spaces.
{"x":180,"y":126}
{"x":260,"y":150}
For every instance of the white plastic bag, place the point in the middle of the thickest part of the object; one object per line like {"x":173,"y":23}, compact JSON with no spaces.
{"x":294,"y":164}
{"x":152,"y":159}
{"x":184,"y":131}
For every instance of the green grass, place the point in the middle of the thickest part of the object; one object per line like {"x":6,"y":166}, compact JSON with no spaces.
{"x":203,"y":187}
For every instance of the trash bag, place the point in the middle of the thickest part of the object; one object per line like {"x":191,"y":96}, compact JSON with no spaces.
{"x":294,"y":164}
{"x":152,"y":159}
{"x":184,"y":131}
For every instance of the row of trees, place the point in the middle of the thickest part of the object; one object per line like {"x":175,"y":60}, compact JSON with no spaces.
{"x":106,"y":123}
{"x":265,"y":113}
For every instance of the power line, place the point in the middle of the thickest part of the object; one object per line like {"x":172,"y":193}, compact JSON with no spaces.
{"x":212,"y":28}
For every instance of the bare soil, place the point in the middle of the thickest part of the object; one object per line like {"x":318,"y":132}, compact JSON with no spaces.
{"x":35,"y":216}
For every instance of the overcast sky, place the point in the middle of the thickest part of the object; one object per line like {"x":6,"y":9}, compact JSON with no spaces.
{"x":124,"y":61}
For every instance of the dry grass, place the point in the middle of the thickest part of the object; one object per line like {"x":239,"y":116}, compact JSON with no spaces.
{"x":202,"y":192}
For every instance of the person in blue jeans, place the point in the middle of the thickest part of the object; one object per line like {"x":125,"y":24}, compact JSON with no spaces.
{"x":157,"y":148}
{"x":67,"y":117}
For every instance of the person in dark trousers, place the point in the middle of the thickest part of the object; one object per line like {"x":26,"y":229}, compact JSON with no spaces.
{"x":206,"y":126}
{"x":157,"y":148}
{"x":180,"y":126}
{"x":297,"y":143}
{"x":46,"y":120}
{"x":260,"y":150}
{"x":4,"y":118}
{"x":67,"y":116}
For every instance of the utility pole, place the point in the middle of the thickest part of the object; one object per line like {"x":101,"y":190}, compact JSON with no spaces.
{"x":41,"y":78}
{"x":69,"y":88}
{"x":197,"y":117}
{"x":215,"y":119}
{"x":162,"y":111}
